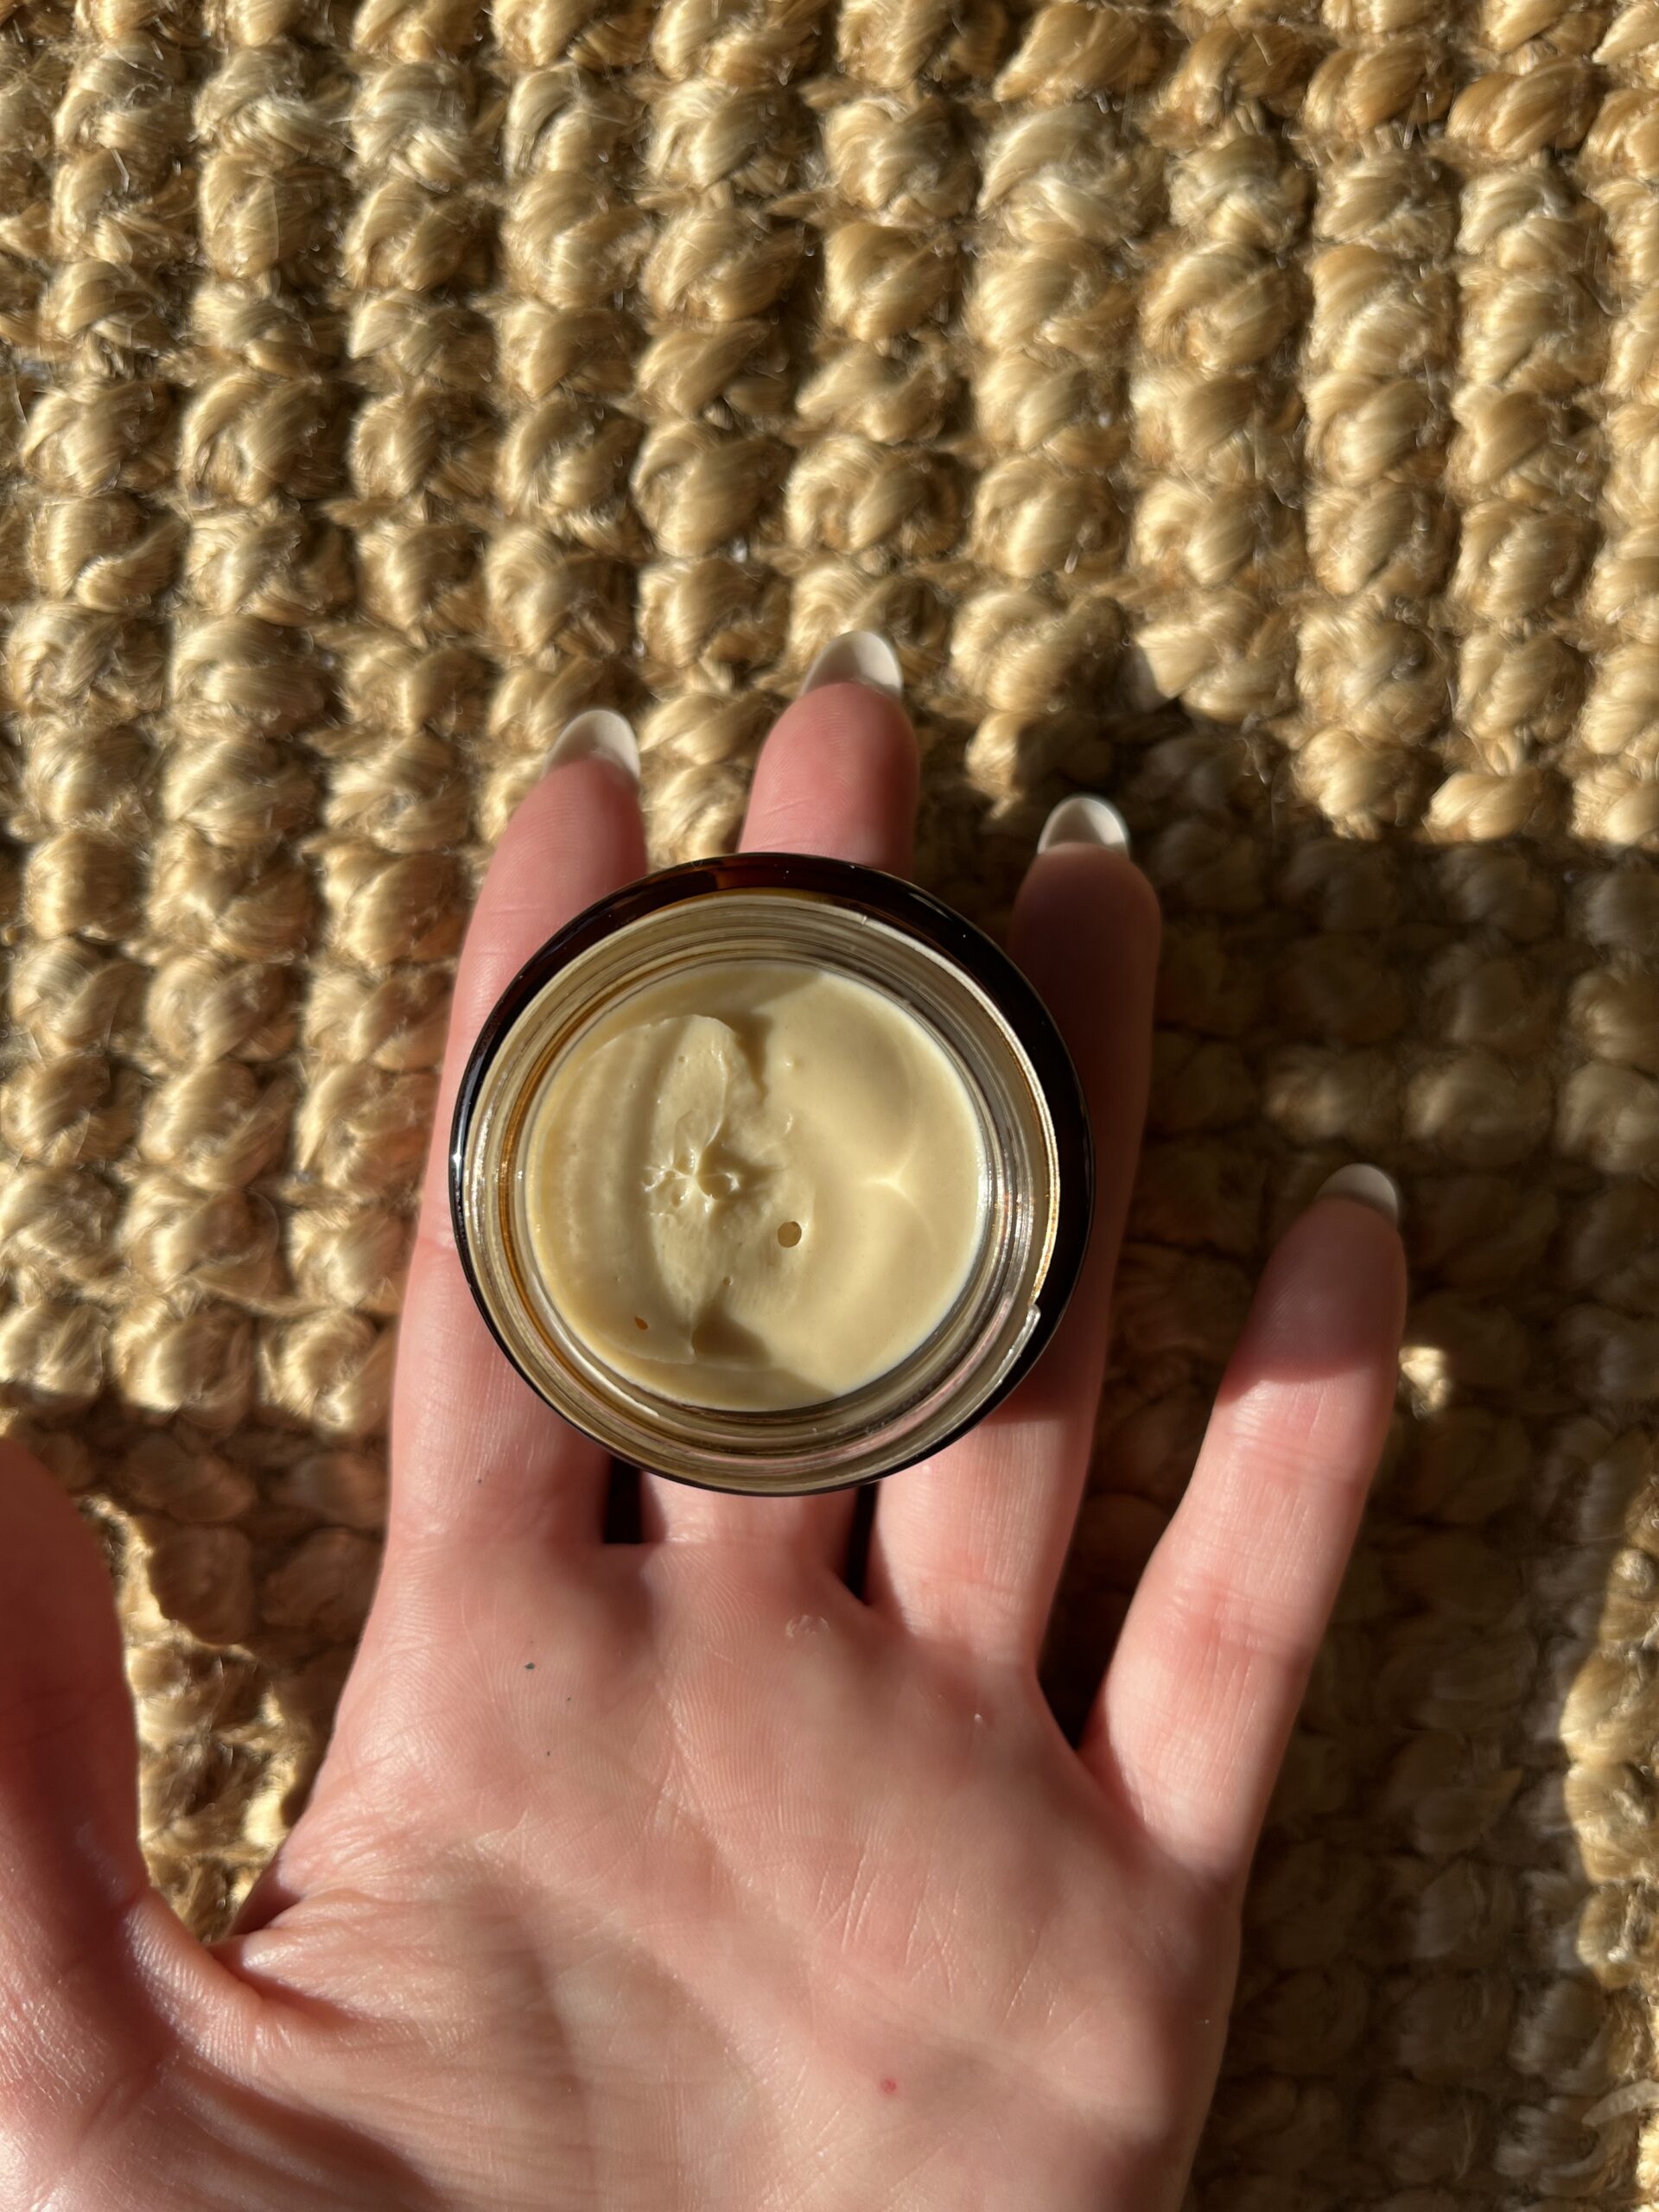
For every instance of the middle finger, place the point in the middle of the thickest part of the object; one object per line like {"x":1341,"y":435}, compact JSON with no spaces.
{"x":837,"y":777}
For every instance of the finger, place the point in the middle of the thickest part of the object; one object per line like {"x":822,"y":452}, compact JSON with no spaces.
{"x":967,"y":1547}
{"x":837,"y":777}
{"x":1214,"y":1655}
{"x":72,"y":2012}
{"x":477,"y":1457}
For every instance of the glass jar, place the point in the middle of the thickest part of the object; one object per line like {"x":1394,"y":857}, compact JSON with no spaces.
{"x":1036,"y":1154}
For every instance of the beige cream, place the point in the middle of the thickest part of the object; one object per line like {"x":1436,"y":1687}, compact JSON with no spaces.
{"x":756,"y":1185}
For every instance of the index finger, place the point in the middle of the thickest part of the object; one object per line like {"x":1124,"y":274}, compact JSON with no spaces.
{"x":477,"y":1456}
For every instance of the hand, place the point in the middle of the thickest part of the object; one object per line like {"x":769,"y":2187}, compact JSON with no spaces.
{"x":675,"y":1874}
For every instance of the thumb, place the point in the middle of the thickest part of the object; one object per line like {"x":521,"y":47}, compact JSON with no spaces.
{"x":78,"y":1915}
{"x":68,"y":1751}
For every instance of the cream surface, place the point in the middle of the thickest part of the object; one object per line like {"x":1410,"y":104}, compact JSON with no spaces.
{"x":758,"y":1185}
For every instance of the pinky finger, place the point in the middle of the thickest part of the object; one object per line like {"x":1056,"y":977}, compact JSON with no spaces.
{"x":1193,"y":1717}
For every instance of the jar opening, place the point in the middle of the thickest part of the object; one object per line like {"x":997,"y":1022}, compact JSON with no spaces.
{"x":702,"y":1126}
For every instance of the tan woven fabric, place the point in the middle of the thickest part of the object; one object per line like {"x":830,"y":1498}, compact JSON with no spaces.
{"x":1250,"y":410}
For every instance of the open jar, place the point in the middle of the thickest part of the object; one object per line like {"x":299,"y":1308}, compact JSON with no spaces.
{"x":771,"y":1173}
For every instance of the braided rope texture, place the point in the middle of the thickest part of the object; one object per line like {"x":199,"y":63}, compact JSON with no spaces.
{"x":1249,"y":408}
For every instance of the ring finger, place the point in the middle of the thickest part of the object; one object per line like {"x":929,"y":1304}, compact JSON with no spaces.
{"x":967,"y":1547}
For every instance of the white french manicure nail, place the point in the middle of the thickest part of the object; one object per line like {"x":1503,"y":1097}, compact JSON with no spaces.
{"x":860,"y":657}
{"x":598,"y":735}
{"x":1368,"y":1186}
{"x":1084,"y":820}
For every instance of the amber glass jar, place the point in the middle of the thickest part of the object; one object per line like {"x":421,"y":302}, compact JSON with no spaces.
{"x":832,"y":916}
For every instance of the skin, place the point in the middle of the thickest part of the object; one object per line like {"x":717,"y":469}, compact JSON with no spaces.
{"x":675,"y":1874}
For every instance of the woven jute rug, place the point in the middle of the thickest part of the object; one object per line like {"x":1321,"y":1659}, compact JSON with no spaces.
{"x":1251,"y":412}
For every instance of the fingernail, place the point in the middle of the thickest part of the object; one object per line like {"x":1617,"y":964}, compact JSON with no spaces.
{"x":860,"y":657}
{"x":1369,"y":1186}
{"x":1084,"y":820}
{"x":598,"y":735}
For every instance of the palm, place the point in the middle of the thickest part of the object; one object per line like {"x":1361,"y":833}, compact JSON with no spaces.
{"x":804,"y":1901}
{"x":676,"y":1872}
